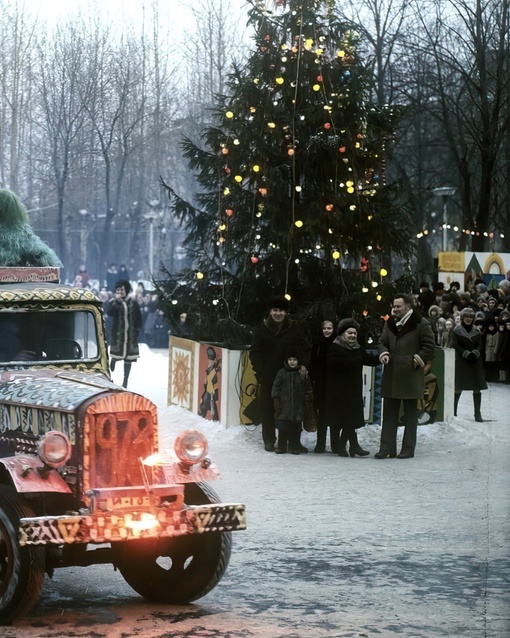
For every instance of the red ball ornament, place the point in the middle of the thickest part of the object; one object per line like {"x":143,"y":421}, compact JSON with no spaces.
{"x":229,"y":212}
{"x":327,"y":125}
{"x":342,"y":149}
{"x":254,"y":259}
{"x":319,"y":78}
{"x":329,"y":207}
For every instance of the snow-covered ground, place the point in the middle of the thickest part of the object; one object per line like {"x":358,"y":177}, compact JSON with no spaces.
{"x":339,"y":547}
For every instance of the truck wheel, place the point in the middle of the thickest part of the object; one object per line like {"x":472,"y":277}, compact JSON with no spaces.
{"x":176,"y":570}
{"x":21,"y":568}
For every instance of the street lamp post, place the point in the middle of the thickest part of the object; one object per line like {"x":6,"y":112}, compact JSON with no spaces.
{"x":151,"y":216}
{"x":444,"y":192}
{"x":84,"y":232}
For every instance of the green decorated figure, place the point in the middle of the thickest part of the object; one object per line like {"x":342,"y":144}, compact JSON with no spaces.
{"x":19,"y":245}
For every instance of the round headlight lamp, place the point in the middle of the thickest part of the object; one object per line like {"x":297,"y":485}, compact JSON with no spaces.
{"x":191,"y":447}
{"x":54,"y":448}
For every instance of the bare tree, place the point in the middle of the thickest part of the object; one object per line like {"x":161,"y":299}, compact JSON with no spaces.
{"x":469,"y":43}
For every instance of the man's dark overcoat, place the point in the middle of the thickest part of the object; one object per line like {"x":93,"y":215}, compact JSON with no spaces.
{"x":267,"y":355}
{"x":401,"y":379}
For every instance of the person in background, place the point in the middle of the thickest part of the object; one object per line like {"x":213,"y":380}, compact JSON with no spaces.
{"x":405,"y":346}
{"x":125,"y":327}
{"x":344,"y":391}
{"x":318,"y":377}
{"x":288,"y":393}
{"x":84,"y":274}
{"x":489,"y":350}
{"x":123,"y":273}
{"x":446,"y":337}
{"x":112,"y":276}
{"x":270,"y":342}
{"x":426,"y":297}
{"x":502,"y":347}
{"x":467,"y":342}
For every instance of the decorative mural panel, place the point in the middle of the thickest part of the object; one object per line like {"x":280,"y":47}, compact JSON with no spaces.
{"x":467,"y":266}
{"x":180,"y":382}
{"x":209,"y":380}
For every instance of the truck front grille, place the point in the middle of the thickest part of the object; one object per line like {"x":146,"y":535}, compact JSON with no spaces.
{"x":117,"y":440}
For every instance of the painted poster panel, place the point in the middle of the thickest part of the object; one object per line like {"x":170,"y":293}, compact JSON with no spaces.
{"x":180,"y":377}
{"x":209,"y":382}
{"x":466,"y":267}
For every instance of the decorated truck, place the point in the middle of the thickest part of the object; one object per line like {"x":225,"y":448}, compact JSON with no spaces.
{"x":82,"y":478}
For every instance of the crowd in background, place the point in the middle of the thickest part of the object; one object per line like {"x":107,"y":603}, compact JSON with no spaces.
{"x":443,"y":305}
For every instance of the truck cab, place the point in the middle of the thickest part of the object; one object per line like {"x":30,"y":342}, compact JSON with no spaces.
{"x":82,"y":478}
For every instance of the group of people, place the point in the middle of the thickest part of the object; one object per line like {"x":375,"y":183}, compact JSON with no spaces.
{"x":287,"y":366}
{"x":476,"y":324}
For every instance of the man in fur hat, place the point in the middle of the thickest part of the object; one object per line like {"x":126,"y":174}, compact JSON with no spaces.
{"x":271,"y":340}
{"x":19,"y":245}
{"x":406,"y":345}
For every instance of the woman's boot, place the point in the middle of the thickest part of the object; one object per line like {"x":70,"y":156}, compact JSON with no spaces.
{"x":477,"y":400}
{"x":281,"y":445}
{"x":355,"y":447}
{"x":342,"y":450}
{"x":456,"y":402}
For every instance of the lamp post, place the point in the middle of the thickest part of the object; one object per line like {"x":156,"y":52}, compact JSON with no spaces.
{"x":444,"y":192}
{"x":151,"y":216}
{"x":84,"y":232}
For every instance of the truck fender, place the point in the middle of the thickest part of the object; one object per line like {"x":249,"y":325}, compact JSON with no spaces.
{"x":29,"y":474}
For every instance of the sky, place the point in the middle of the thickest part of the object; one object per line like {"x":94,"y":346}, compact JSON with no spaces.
{"x":177,"y":13}
{"x":118,"y":10}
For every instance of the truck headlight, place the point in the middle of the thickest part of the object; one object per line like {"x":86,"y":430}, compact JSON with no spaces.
{"x":54,"y":448}
{"x":191,"y":447}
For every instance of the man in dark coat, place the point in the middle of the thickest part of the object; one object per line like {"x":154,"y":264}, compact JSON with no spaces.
{"x":270,"y":343}
{"x":126,"y":325}
{"x":406,"y":344}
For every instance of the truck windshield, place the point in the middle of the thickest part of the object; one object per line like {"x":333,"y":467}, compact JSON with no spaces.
{"x":59,"y":335}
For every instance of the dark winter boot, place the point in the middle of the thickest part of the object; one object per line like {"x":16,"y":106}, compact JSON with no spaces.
{"x":355,"y":447}
{"x":320,"y":446}
{"x":127,"y":370}
{"x":456,"y":402}
{"x":281,"y":445}
{"x":477,"y":400}
{"x":342,"y":450}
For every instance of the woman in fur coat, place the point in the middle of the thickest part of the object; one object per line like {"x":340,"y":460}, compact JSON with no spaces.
{"x":344,"y":394}
{"x":126,"y":325}
{"x":467,"y":342}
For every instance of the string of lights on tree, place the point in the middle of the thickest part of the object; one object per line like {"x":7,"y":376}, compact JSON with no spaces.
{"x":294,"y":171}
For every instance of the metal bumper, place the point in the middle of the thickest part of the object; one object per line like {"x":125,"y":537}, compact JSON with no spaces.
{"x":105,"y":527}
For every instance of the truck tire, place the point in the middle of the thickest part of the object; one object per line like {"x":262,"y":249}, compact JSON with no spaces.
{"x":176,"y":570}
{"x":21,"y":568}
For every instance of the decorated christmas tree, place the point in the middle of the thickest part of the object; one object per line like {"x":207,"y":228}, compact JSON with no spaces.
{"x":293,"y":196}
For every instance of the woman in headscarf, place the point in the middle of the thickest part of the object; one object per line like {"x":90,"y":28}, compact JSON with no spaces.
{"x":344,"y":388}
{"x":467,"y":341}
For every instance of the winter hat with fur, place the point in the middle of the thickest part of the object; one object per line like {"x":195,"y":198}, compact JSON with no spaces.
{"x":279,"y":301}
{"x":344,"y":324}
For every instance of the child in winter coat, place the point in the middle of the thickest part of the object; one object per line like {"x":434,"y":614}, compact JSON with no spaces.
{"x":290,"y":388}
